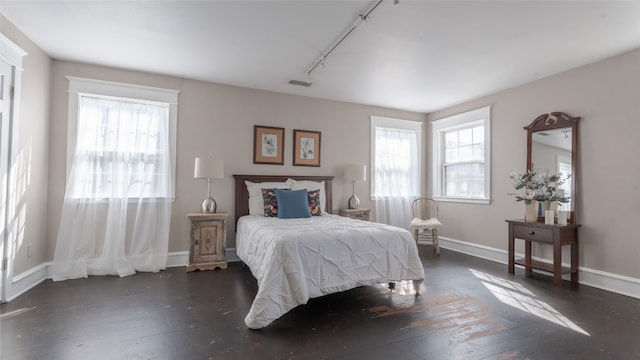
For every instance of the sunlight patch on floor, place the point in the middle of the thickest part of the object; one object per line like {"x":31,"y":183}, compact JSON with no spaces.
{"x":15,"y":312}
{"x":517,"y":296}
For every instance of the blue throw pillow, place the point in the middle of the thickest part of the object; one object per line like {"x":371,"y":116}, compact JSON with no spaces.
{"x":293,"y":204}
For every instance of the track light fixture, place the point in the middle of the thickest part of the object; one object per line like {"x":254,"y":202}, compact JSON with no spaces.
{"x":360,"y":19}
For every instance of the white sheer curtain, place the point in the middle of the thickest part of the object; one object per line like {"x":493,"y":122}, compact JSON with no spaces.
{"x":393,"y":210}
{"x":396,"y":174}
{"x":117,"y":205}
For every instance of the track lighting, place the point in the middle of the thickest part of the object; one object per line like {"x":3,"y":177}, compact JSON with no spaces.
{"x":321,"y":62}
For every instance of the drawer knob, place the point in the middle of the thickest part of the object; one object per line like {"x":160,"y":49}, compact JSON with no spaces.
{"x":532,"y":232}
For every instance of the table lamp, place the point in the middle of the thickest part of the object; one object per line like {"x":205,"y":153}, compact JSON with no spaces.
{"x":208,"y":168}
{"x":353,"y":173}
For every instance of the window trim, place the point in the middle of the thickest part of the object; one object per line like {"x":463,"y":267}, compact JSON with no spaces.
{"x":82,"y":86}
{"x":454,"y":122}
{"x":410,"y":125}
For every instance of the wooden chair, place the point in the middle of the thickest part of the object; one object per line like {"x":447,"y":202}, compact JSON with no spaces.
{"x":425,"y":225}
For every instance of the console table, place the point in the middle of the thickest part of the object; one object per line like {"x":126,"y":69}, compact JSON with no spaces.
{"x":555,"y":235}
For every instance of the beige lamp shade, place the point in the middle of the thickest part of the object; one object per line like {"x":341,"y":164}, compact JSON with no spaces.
{"x":208,"y":168}
{"x":355,"y":172}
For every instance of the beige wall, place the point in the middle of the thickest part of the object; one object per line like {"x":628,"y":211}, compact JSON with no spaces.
{"x":31,"y":159}
{"x":605,"y":95}
{"x":218,"y":120}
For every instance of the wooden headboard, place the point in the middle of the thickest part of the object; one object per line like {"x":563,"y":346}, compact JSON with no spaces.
{"x":242,"y":195}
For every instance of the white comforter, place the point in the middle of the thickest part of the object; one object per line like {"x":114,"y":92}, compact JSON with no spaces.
{"x":298,"y":259}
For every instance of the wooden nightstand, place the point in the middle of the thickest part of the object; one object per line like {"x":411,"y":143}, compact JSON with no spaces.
{"x":359,"y":214}
{"x":208,"y":241}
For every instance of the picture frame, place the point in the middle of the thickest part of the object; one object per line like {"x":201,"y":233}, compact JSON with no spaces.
{"x":268,"y":145}
{"x":306,"y":148}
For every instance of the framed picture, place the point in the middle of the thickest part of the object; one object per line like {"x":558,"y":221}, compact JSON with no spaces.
{"x":306,"y":148}
{"x":268,"y":145}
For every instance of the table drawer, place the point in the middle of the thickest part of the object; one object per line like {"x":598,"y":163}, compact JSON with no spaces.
{"x":532,"y":233}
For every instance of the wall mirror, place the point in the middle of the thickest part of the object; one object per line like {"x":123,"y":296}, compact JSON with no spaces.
{"x":552,"y":144}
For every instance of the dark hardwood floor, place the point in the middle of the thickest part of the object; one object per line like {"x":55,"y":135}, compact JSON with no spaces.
{"x":469,"y":308}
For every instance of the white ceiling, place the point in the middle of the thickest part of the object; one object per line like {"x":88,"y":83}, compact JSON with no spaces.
{"x":558,"y":138}
{"x":416,"y":55}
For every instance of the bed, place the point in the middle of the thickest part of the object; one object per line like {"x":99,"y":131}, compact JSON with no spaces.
{"x":297,"y":259}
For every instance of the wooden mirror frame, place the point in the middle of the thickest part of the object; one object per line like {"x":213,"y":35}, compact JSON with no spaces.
{"x":558,"y":120}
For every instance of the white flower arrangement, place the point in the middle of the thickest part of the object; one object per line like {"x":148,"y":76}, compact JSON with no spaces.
{"x":535,"y":186}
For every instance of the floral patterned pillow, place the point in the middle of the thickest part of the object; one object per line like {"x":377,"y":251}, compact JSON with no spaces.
{"x":270,"y":202}
{"x":314,"y":202}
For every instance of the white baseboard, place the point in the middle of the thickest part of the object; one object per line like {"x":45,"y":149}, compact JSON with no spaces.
{"x":178,"y":258}
{"x":27,"y":280}
{"x":481,"y":251}
{"x":620,"y":284}
{"x":181,"y":258}
{"x":232,"y":256}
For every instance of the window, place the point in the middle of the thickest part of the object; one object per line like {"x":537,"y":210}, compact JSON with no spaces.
{"x":461,"y":160}
{"x":122,"y":140}
{"x":564,"y":168}
{"x":395,"y":165}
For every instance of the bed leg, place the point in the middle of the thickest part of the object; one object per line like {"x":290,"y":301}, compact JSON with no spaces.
{"x":416,"y":286}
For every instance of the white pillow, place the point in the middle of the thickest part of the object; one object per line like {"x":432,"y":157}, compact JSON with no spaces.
{"x":256,"y":202}
{"x":310,"y":186}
